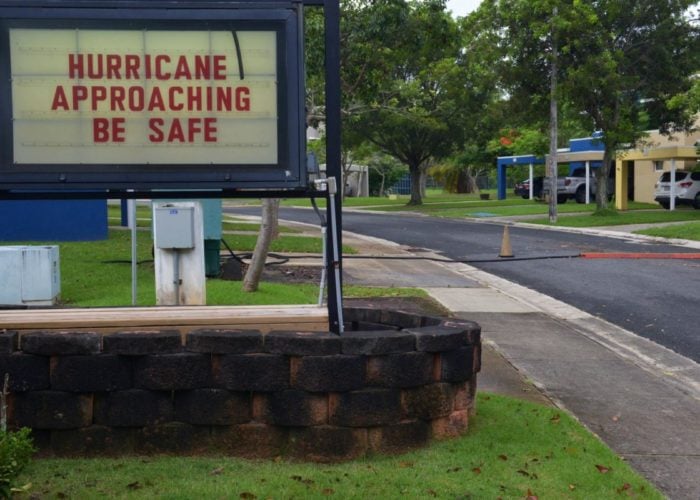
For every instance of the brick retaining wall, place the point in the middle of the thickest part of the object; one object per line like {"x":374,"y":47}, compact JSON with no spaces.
{"x":392,"y":382}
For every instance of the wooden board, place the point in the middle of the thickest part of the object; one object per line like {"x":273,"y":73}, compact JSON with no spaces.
{"x":185,"y":318}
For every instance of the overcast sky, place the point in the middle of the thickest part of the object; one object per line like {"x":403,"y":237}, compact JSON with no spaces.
{"x":462,"y":7}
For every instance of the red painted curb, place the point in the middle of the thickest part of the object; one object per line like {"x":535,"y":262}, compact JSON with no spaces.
{"x":631,"y":255}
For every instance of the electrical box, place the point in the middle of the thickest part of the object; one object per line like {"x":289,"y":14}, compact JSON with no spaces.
{"x":30,"y":275}
{"x":174,"y":227}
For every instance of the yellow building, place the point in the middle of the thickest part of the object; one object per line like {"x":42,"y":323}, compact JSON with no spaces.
{"x":638,"y":170}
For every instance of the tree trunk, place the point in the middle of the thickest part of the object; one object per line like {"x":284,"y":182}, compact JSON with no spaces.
{"x":466,"y":181}
{"x":471,"y":182}
{"x":423,"y":181}
{"x":268,"y":226}
{"x":274,"y":217}
{"x":462,"y":181}
{"x":381,"y":186}
{"x":602,"y":175}
{"x":416,"y":198}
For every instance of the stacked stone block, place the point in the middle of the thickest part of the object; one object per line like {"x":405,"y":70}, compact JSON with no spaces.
{"x":391,"y":382}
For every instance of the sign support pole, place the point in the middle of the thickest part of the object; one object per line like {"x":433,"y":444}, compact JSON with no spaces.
{"x":131,"y":215}
{"x":333,"y":170}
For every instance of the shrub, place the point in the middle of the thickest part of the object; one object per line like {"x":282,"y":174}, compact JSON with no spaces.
{"x":16,"y":449}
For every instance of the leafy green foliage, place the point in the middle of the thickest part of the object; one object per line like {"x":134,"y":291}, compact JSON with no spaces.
{"x":16,"y":450}
{"x":409,"y":87}
{"x":414,"y":113}
{"x":384,"y":172}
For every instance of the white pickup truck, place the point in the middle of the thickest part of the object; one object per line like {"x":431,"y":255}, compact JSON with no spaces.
{"x":574,"y":186}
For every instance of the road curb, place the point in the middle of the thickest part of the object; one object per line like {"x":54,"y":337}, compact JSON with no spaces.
{"x":676,"y":369}
{"x":639,"y":255}
{"x":611,"y":234}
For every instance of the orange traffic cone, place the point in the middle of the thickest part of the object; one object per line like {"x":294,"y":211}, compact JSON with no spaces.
{"x":506,"y":250}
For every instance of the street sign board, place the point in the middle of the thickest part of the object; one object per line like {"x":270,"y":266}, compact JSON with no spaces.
{"x":100,"y":99}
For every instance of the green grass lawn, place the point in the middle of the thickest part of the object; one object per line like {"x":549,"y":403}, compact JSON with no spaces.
{"x":690,"y":231}
{"x":470,"y":206}
{"x":626,"y":217}
{"x":513,"y":449}
{"x":98,"y":274}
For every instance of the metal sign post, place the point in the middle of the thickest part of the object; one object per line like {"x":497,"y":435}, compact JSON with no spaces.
{"x":333,"y":168}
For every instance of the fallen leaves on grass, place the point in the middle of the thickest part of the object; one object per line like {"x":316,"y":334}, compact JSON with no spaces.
{"x":246,"y":495}
{"x":530,"y":496}
{"x":134,"y":486}
{"x":602,"y":469}
{"x":217,"y":471}
{"x":624,"y":488}
{"x":530,"y":475}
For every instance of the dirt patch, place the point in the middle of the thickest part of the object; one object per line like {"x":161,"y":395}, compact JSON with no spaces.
{"x":234,"y":270}
{"x":292,"y":274}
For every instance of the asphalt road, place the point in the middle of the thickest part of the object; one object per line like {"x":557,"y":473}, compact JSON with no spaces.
{"x":656,"y":299}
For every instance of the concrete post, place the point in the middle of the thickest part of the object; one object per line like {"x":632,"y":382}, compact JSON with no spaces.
{"x":179,"y":272}
{"x":621,"y":184}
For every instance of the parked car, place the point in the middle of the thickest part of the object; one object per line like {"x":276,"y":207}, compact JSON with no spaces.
{"x":687,"y":189}
{"x":523,"y":188}
{"x":574,"y":186}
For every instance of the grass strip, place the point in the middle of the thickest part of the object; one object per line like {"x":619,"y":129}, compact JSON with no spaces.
{"x":690,"y":231}
{"x":514,"y":449}
{"x":625,"y":218}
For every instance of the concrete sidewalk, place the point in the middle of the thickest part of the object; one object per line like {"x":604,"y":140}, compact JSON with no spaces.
{"x":642,"y":399}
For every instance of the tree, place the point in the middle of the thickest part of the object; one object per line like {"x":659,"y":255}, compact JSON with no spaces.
{"x":530,"y":68}
{"x":620,"y":62}
{"x":384,"y":171}
{"x":415,"y":108}
{"x":635,"y":55}
{"x":402,"y":82}
{"x":481,"y":109}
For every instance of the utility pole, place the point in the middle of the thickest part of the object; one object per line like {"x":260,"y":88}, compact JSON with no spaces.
{"x":553,"y":124}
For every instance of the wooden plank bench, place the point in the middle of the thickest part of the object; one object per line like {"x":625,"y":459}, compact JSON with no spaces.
{"x":183,"y":318}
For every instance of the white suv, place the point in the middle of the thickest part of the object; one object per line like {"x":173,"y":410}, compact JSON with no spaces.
{"x":687,"y":189}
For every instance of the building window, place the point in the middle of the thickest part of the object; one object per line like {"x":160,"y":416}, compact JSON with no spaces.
{"x":658,"y":166}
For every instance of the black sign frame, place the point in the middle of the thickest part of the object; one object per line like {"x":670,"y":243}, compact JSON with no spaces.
{"x":289,"y":172}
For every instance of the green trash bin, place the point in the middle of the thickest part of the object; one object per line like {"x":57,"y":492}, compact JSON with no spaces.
{"x":212,"y":260}
{"x":211,"y":212}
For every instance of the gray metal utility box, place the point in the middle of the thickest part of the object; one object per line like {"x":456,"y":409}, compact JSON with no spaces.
{"x":174,"y":227}
{"x":29,"y":275}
